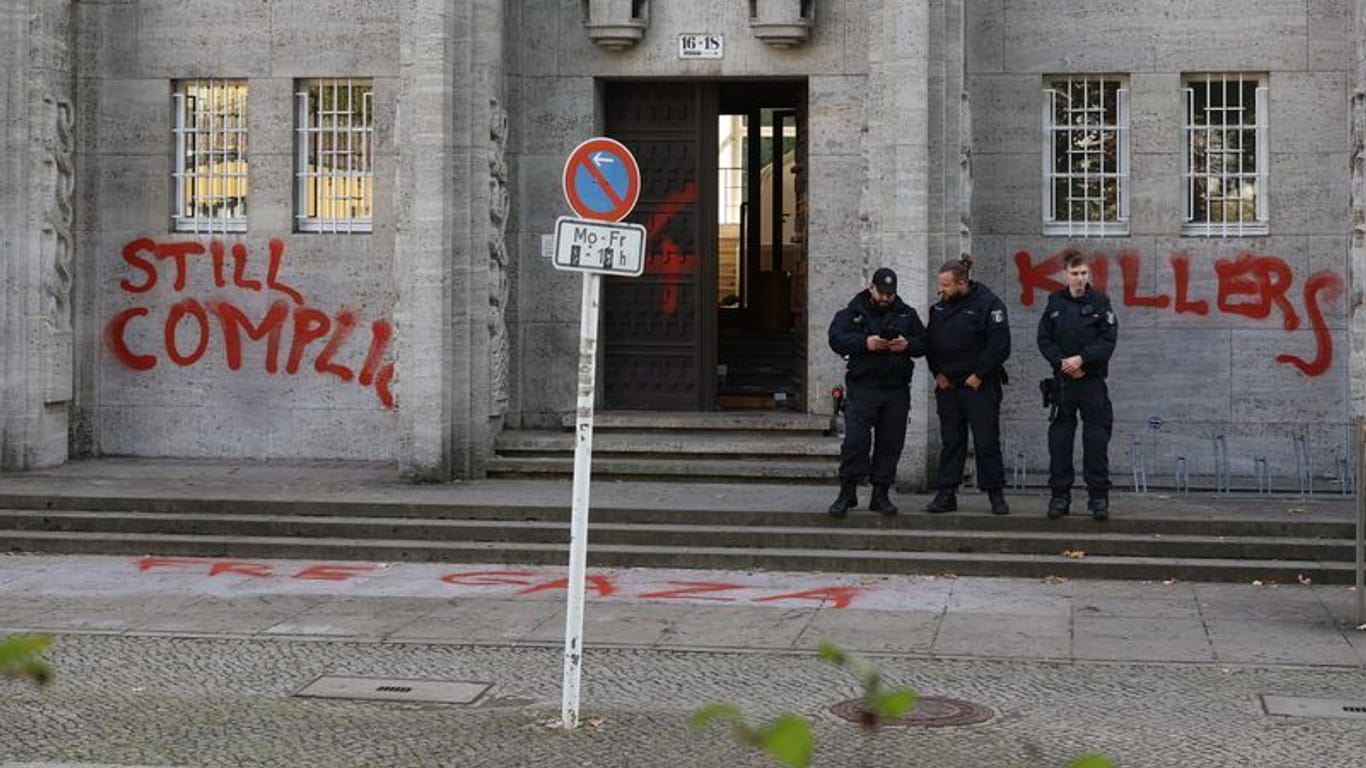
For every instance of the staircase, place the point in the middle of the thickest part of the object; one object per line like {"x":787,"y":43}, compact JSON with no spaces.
{"x":710,"y":526}
{"x":687,"y":446}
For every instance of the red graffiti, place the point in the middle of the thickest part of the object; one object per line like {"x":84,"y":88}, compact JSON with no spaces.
{"x":188,"y":326}
{"x":600,"y":585}
{"x":1249,"y":285}
{"x":672,"y":262}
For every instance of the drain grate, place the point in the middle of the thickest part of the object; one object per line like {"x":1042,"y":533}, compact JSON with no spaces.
{"x":394,"y":689}
{"x":1299,"y":706}
{"x":928,"y":712}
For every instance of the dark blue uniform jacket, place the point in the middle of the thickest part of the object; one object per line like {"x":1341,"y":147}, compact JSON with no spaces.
{"x":853,"y":325}
{"x":1083,"y":326}
{"x":970,"y":334}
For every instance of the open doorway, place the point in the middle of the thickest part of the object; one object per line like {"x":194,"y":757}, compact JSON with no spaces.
{"x":761,"y":247}
{"x":718,"y":319}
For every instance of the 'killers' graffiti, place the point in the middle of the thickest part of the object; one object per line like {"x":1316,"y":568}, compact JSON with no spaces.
{"x":329,"y":343}
{"x":1251,"y":285}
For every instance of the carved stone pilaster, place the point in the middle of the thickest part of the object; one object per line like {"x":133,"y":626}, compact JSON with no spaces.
{"x":58,"y":242}
{"x":499,"y":205}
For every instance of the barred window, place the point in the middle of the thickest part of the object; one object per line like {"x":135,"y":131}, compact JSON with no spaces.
{"x":1086,"y":156}
{"x":334,"y":176}
{"x":1225,"y":162}
{"x":210,"y":156}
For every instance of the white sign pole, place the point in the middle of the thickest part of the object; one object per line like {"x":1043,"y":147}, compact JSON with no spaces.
{"x":578,"y":527}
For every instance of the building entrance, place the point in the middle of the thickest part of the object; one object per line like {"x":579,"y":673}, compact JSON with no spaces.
{"x":718,"y":320}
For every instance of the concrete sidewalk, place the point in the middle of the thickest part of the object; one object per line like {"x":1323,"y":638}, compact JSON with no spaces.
{"x":497,"y":605}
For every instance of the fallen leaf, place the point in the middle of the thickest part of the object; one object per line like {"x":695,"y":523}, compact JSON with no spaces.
{"x":1362,"y":628}
{"x":1054,"y":580}
{"x":1169,"y":582}
{"x":951,"y":576}
{"x":1297,"y":510}
{"x":1256,"y":582}
{"x":596,"y":723}
{"x":1073,"y":554}
{"x":1305,"y":580}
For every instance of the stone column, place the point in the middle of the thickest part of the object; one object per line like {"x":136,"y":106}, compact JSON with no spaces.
{"x":1356,"y":260}
{"x":451,"y":214}
{"x":897,"y":202}
{"x":37,"y":178}
{"x":424,"y":239}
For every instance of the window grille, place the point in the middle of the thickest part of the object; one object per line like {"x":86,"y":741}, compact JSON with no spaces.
{"x":334,"y":177}
{"x":210,"y":156}
{"x":1225,"y":162}
{"x":1086,"y":157}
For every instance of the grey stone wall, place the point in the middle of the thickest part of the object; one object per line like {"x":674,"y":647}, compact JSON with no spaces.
{"x":1202,"y":370}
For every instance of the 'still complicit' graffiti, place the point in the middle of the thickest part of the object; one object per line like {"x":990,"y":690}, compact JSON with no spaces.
{"x":1250,"y":285}
{"x":187,"y":326}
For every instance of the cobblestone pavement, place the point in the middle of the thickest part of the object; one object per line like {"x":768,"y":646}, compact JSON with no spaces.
{"x":227,"y":702}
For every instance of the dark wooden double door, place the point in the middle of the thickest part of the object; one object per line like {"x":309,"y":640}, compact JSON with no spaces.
{"x":660,"y":330}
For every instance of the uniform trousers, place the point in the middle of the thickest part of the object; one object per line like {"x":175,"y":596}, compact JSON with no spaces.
{"x":961,"y":408}
{"x":1089,"y":396}
{"x":874,"y":417}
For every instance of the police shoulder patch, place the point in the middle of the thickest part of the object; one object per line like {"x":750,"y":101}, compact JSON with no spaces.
{"x":998,"y":315}
{"x":1109,"y":317}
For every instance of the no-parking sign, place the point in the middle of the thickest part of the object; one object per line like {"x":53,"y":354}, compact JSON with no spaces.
{"x":601,"y":180}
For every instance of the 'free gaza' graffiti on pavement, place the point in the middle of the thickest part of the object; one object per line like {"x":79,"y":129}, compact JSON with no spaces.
{"x":1250,"y":285}
{"x":519,"y":583}
{"x":307,"y":324}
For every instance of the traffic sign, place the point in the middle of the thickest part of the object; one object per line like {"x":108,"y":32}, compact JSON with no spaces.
{"x":583,"y":245}
{"x":601,"y":180}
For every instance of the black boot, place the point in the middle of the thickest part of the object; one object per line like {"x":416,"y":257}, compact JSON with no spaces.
{"x":998,"y":502}
{"x":1100,"y":508}
{"x":847,"y":500}
{"x":944,"y":501}
{"x":881,"y":503}
{"x":1058,"y":505}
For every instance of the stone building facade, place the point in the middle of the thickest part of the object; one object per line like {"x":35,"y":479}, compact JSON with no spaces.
{"x":132,"y":328}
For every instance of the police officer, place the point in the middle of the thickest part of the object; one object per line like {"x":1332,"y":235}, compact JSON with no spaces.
{"x":878,"y":334}
{"x":1077,"y":336}
{"x":969,"y":341}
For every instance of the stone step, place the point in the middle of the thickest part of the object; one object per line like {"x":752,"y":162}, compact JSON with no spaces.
{"x":692,"y":421}
{"x":720,"y":558}
{"x":1093,"y":541}
{"x":706,"y":508}
{"x":671,"y":468}
{"x":697,"y":443}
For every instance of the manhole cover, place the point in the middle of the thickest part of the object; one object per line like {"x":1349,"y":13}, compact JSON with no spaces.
{"x":394,"y":689}
{"x":928,"y":712}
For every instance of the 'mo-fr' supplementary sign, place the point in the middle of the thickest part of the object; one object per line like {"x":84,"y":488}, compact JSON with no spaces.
{"x":582,"y":245}
{"x":601,"y":180}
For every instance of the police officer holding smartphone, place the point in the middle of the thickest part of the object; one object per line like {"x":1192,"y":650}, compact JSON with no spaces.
{"x":877,"y":334}
{"x":1077,"y":335}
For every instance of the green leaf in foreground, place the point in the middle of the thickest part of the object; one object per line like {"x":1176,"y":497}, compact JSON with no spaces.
{"x":21,"y":657}
{"x":1091,"y":761}
{"x":789,"y":741}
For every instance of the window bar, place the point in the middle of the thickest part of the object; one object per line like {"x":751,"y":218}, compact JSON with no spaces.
{"x":1050,"y":132}
{"x":367,"y":207}
{"x":1188,"y":157}
{"x":178,"y":98}
{"x":1122,"y":148}
{"x":1242,"y":115}
{"x":1100,"y":153}
{"x":1211,"y":185}
{"x":213,"y":160}
{"x":333,"y":116}
{"x":350,"y":158}
{"x":301,"y":156}
{"x":1260,"y":131}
